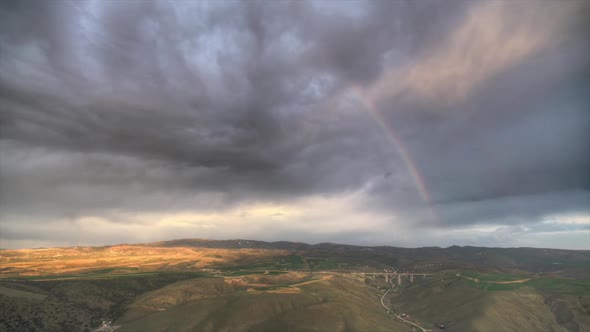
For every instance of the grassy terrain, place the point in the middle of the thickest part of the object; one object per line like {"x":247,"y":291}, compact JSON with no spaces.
{"x":249,"y":272}
{"x":73,"y":304}
{"x":240,"y":285}
{"x":23,"y":294}
{"x":124,"y":259}
{"x":494,"y":277}
{"x":499,"y":282}
{"x":561,"y":286}
{"x":254,"y":300}
{"x":466,"y":305}
{"x":286,"y":262}
{"x":330,"y":302}
{"x":198,"y":254}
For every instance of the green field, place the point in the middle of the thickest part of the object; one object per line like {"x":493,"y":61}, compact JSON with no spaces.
{"x":494,"y":276}
{"x":545,"y":285}
{"x":561,"y":286}
{"x":466,"y":305}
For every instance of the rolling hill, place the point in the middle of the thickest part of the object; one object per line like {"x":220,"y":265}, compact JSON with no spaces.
{"x":244,"y":285}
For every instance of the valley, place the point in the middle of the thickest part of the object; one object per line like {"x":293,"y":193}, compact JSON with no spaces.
{"x":242,"y":285}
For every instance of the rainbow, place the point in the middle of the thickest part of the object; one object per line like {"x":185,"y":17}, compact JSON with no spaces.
{"x":396,"y":141}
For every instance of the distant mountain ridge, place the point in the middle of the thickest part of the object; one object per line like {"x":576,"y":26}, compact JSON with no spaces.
{"x":257,"y":244}
{"x":231,"y":244}
{"x":193,"y":253}
{"x":574,"y":263}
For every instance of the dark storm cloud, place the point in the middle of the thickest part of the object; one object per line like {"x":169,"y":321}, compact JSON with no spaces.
{"x":159,"y":106}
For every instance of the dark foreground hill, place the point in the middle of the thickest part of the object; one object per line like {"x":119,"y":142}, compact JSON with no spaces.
{"x":244,"y":285}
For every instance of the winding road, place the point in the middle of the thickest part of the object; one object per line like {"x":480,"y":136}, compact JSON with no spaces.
{"x":400,"y":317}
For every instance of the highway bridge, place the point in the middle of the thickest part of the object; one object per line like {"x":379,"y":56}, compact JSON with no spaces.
{"x":399,"y":276}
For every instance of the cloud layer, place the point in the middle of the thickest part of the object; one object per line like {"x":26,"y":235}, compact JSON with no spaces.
{"x":141,"y":121}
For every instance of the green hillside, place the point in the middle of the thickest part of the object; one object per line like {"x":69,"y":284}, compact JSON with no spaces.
{"x":240,"y":285}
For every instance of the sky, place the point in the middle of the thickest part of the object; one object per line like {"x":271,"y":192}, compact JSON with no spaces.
{"x":404,"y":123}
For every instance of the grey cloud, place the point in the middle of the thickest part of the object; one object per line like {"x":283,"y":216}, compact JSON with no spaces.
{"x":141,"y":106}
